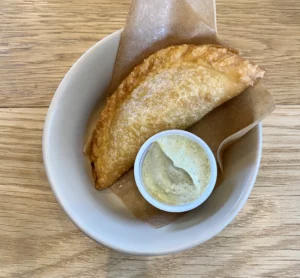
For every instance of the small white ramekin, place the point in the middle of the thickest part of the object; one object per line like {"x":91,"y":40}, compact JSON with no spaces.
{"x":174,"y":208}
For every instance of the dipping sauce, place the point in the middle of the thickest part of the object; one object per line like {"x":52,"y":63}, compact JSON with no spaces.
{"x":176,"y":170}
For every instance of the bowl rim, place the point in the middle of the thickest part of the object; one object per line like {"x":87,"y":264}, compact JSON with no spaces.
{"x":175,"y":208}
{"x":45,"y":149}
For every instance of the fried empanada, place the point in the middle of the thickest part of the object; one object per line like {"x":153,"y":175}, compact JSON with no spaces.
{"x":172,"y":89}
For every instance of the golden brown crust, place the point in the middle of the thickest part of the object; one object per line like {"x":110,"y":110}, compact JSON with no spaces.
{"x":173,"y":88}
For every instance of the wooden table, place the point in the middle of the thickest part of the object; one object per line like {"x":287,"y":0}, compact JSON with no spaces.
{"x":39,"y":41}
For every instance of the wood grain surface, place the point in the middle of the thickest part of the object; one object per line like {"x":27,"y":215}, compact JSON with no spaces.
{"x":39,"y":41}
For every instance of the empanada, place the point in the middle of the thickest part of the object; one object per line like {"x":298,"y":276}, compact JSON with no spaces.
{"x":172,"y":89}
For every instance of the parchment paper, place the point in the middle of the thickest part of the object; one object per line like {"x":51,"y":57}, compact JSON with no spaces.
{"x":156,"y":24}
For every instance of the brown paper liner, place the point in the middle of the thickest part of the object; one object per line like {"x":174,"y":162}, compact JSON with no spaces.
{"x":156,"y":24}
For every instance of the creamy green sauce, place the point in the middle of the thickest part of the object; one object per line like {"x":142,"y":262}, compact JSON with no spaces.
{"x":175,"y":170}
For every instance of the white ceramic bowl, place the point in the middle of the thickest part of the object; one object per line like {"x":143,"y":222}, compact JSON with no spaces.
{"x":100,"y":214}
{"x":174,"y":208}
